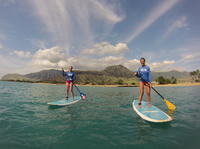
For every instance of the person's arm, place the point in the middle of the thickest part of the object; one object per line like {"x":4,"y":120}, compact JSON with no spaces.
{"x":137,"y":74}
{"x":63,"y":72}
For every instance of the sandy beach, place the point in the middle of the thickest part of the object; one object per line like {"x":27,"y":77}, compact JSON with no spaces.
{"x":160,"y":85}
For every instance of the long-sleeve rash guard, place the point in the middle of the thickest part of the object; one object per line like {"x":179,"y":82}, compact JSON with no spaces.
{"x":144,"y":73}
{"x":70,"y":76}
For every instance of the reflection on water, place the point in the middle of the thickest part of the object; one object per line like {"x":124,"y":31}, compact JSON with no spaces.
{"x":105,"y":120}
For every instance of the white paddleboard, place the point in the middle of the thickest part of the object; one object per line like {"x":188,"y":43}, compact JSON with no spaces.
{"x":65,"y":102}
{"x":150,"y":113}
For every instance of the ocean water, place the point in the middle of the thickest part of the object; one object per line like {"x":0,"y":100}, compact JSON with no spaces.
{"x":105,"y":120}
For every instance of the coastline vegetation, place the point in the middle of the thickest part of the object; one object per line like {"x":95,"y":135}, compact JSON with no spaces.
{"x":116,"y":75}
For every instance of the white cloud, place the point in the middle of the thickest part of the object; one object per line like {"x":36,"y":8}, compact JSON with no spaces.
{"x":83,"y":62}
{"x":70,"y":21}
{"x":154,"y":15}
{"x":56,"y":57}
{"x":53,"y":54}
{"x":105,"y":48}
{"x":23,"y":54}
{"x":132,"y":64}
{"x":188,"y":57}
{"x":105,"y":11}
{"x":161,"y":65}
{"x":169,"y":62}
{"x":49,"y":57}
{"x":180,"y":23}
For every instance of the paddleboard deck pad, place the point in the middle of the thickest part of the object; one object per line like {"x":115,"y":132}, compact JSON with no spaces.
{"x":65,"y":102}
{"x":150,"y":113}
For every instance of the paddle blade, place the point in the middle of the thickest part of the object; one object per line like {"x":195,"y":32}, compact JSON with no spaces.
{"x":83,"y":96}
{"x":170,"y":105}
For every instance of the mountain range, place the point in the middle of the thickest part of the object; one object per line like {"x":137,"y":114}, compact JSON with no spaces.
{"x":116,"y":74}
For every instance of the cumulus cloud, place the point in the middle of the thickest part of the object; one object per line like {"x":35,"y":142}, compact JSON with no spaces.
{"x":132,"y":64}
{"x":53,"y":54}
{"x":180,"y":23}
{"x":153,"y":16}
{"x":84,"y":62}
{"x":49,"y":57}
{"x":23,"y":54}
{"x":161,"y":65}
{"x":105,"y":48}
{"x":188,"y":57}
{"x":56,"y":57}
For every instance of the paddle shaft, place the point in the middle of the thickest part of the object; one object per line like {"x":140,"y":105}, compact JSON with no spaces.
{"x":157,"y":92}
{"x":77,"y":88}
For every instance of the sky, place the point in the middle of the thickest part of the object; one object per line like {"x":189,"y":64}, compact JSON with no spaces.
{"x":92,"y":34}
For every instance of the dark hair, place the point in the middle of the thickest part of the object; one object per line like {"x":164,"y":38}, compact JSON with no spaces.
{"x":142,"y":58}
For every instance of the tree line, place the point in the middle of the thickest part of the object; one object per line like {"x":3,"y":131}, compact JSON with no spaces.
{"x":195,"y":75}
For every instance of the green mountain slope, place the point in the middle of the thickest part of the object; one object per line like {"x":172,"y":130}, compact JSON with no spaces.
{"x":116,"y":74}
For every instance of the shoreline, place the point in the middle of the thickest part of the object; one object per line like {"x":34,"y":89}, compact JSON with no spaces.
{"x":156,"y":85}
{"x":90,"y":85}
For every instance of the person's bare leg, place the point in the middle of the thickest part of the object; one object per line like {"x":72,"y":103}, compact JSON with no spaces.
{"x":71,"y":90}
{"x":148,"y":93}
{"x":141,"y":92}
{"x":67,"y":90}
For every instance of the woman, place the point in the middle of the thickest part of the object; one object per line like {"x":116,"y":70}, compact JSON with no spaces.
{"x":144,"y":74}
{"x":70,"y":77}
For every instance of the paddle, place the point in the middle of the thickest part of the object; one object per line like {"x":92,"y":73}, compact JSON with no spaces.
{"x":83,"y":95}
{"x":170,"y":105}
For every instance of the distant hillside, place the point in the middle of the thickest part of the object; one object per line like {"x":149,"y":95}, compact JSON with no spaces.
{"x":173,"y":73}
{"x":47,"y":76}
{"x":118,"y":71}
{"x":116,"y":74}
{"x":15,"y":77}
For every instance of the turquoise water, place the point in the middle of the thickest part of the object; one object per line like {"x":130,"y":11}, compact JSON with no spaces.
{"x":105,"y":120}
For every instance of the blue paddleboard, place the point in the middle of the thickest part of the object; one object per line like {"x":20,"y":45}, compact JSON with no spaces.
{"x":150,"y":113}
{"x":65,"y":102}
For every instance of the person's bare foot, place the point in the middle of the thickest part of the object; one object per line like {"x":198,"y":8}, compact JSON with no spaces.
{"x":139,"y":104}
{"x":149,"y":105}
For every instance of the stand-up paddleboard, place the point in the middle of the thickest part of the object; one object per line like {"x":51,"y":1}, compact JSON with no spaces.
{"x":150,"y":113}
{"x":65,"y":102}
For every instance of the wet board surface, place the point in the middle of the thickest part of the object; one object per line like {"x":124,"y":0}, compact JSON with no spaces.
{"x":150,"y":113}
{"x":65,"y":102}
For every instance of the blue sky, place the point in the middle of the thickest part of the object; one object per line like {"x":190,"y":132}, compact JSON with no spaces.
{"x":93,"y":34}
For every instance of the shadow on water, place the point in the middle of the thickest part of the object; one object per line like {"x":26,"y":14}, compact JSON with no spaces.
{"x":53,"y":107}
{"x":165,"y":125}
